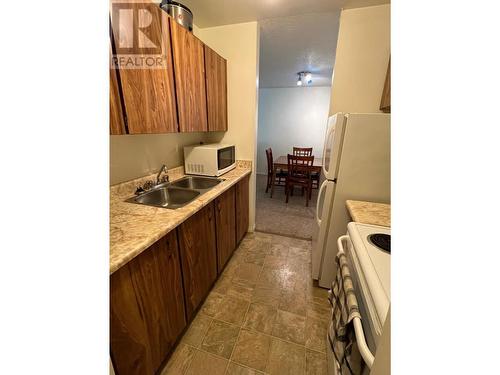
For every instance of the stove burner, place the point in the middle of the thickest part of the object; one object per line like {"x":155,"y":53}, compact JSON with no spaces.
{"x":382,"y":241}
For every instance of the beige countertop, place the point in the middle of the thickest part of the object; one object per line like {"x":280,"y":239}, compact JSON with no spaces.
{"x":135,"y":227}
{"x":370,"y":212}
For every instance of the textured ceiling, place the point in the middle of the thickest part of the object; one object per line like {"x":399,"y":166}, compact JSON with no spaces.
{"x":289,"y":45}
{"x":208,"y":13}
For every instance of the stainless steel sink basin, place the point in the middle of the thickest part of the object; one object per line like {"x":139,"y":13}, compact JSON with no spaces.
{"x":176,"y":194}
{"x":166,"y":197}
{"x":196,"y":182}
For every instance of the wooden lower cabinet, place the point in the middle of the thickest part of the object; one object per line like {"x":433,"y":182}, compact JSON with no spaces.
{"x":130,"y":346}
{"x":155,"y":294}
{"x":147,"y":308}
{"x":225,"y":220}
{"x":242,"y":208}
{"x":197,"y":244}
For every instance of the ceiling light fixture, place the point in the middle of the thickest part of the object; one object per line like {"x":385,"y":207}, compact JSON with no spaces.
{"x":304,"y":77}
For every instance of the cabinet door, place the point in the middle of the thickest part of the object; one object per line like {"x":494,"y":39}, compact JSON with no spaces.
{"x":225,"y":222}
{"x":147,"y":306}
{"x":116,"y":120}
{"x":216,"y":80}
{"x":189,"y":79}
{"x":242,"y":208}
{"x":157,"y":279}
{"x":148,"y":94}
{"x":198,"y":256}
{"x":130,"y":350}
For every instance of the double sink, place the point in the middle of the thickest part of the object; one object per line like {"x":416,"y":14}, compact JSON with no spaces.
{"x":176,"y":194}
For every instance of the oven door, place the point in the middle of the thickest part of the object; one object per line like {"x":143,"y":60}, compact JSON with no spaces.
{"x":359,"y":366}
{"x":225,"y":159}
{"x":359,"y":289}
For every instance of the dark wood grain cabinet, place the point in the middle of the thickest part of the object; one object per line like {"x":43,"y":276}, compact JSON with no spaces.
{"x":225,"y":220}
{"x":188,"y":93}
{"x":147,"y":308}
{"x":154,"y":295}
{"x":148,"y":94}
{"x":197,"y":245}
{"x":242,"y":208}
{"x":130,"y":345}
{"x":116,"y":120}
{"x":190,"y":88}
{"x":216,"y":82}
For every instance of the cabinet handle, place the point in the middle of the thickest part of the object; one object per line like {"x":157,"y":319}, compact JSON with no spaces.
{"x":218,"y":206}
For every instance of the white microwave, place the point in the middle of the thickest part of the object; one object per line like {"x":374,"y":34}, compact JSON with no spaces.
{"x":209,"y":160}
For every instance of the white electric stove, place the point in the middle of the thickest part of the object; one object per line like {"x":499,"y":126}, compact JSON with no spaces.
{"x":371,"y":266}
{"x":368,"y":252}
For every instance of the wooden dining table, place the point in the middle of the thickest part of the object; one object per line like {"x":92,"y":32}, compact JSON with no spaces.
{"x":282,"y":163}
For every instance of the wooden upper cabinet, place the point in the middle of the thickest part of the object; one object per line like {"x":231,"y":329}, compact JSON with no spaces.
{"x":242,"y":208}
{"x":385,"y":102}
{"x":116,"y":120}
{"x":216,"y":81}
{"x":148,"y":94}
{"x":198,"y":255}
{"x":189,"y":79}
{"x":147,"y":308}
{"x":225,"y":222}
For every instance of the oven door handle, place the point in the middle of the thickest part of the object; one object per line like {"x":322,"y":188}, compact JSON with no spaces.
{"x":358,"y":327}
{"x":362,"y":346}
{"x":340,"y":243}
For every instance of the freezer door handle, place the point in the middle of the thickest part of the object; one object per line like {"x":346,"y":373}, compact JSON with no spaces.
{"x":328,"y":144}
{"x":321,"y":189}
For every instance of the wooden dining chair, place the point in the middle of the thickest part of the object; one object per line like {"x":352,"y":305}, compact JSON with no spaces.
{"x":274,"y":178}
{"x":302,"y":151}
{"x":307,"y":151}
{"x":299,"y":174}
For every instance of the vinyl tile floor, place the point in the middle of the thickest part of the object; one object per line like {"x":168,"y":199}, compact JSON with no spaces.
{"x":291,"y":219}
{"x":263,"y":316}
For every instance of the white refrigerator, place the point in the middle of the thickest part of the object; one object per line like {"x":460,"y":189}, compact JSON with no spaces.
{"x":356,"y":166}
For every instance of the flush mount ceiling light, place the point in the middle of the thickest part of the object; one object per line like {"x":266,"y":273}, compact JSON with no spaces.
{"x":304,"y":77}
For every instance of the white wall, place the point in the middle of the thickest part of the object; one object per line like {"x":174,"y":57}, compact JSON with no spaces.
{"x":239,"y":44}
{"x":363,"y":51}
{"x":291,"y":117}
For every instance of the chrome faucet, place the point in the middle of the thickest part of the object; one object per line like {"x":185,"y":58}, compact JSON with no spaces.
{"x":165,"y":178}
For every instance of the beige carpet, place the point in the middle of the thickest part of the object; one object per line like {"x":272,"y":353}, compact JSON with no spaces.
{"x":275,"y":216}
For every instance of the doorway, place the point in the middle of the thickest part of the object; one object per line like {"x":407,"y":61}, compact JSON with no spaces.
{"x":295,"y":74}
